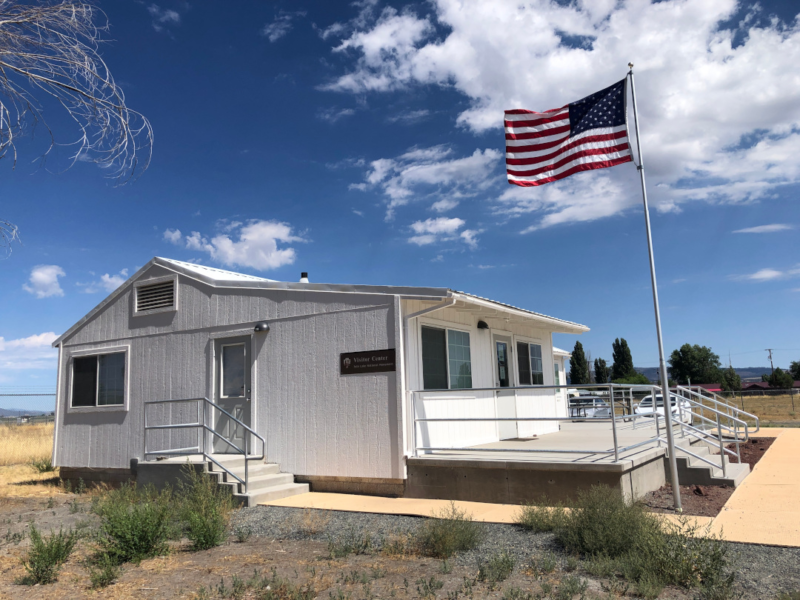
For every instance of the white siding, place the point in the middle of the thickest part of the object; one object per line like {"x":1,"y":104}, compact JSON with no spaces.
{"x":466,"y":403}
{"x":315,"y":421}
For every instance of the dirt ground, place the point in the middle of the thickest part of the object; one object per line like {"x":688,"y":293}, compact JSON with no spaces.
{"x":704,"y":500}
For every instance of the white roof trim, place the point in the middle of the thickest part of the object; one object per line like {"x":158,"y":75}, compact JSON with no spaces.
{"x":559,"y":325}
{"x":561,"y":352}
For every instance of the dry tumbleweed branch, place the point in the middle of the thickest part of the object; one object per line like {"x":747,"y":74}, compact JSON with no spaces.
{"x":50,"y":49}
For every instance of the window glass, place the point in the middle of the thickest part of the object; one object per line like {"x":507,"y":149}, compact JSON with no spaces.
{"x":524,"y":363}
{"x":434,"y":359}
{"x":460,"y":360}
{"x":537,"y":373}
{"x":84,"y":380}
{"x":233,"y":371}
{"x":557,"y":374}
{"x":111,"y":389}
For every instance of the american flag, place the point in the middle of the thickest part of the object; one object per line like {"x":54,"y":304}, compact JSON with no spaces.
{"x":588,"y":134}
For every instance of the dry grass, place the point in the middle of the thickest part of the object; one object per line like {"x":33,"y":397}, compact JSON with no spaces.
{"x":310,"y":522}
{"x":20,"y":444}
{"x":771,"y":408}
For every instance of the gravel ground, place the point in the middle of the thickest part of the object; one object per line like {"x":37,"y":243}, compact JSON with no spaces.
{"x":763,"y":572}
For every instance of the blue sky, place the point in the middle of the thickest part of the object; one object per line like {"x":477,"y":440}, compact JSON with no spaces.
{"x":363,"y":143}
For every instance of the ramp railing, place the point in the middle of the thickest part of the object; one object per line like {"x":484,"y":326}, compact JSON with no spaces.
{"x":704,"y":419}
{"x":202,"y":426}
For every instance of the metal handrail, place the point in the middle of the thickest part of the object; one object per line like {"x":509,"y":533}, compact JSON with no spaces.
{"x":719,"y":400}
{"x":732,"y":426}
{"x":201,"y":424}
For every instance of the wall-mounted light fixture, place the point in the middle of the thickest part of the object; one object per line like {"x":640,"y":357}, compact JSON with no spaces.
{"x":262,"y":327}
{"x":483,"y":325}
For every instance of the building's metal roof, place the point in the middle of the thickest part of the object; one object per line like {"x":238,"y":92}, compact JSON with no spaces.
{"x":526,"y":311}
{"x":560,"y":351}
{"x":230,"y":279}
{"x":219,"y":275}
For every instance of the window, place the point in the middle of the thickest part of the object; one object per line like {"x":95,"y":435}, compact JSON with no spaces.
{"x":155,"y":297}
{"x":98,"y":380}
{"x":557,"y":374}
{"x":446,"y":359}
{"x":529,"y":361}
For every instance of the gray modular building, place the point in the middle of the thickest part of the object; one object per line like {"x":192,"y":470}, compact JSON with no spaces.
{"x":329,"y":376}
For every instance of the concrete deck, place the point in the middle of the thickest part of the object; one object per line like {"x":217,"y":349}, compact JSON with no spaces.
{"x":593,"y":441}
{"x":765,"y":509}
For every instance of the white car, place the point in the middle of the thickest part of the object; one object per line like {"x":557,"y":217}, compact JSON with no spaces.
{"x":588,"y":407}
{"x":678,"y":405}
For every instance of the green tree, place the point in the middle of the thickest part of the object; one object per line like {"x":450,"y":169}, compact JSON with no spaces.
{"x":731,"y":382}
{"x":694,"y":362}
{"x":600,"y":371}
{"x":781,"y":379}
{"x":794,"y":369}
{"x":623,"y":361}
{"x":578,"y":370}
{"x":634,"y":379}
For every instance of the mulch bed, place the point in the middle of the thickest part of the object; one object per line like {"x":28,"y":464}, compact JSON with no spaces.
{"x":706,"y":500}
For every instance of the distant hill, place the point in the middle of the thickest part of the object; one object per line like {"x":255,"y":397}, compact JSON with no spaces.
{"x":16,"y":412}
{"x":751,"y":373}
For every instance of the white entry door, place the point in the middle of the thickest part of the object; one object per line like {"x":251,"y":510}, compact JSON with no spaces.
{"x":232,"y":393}
{"x":505,"y":400}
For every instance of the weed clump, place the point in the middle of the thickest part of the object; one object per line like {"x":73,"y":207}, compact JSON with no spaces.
{"x":496,"y":569}
{"x":448,"y":532}
{"x":205,"y":509}
{"x":621,"y":537}
{"x":135,"y":523}
{"x":42,"y":465}
{"x":352,"y":541}
{"x":47,"y":555}
{"x":541,"y":516}
{"x":103,"y":571}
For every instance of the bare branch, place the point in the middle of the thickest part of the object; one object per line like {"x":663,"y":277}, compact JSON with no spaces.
{"x":50,"y":50}
{"x":9,"y":233}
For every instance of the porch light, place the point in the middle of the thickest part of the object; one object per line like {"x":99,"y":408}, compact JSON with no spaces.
{"x":261,"y":327}
{"x":482,"y":325}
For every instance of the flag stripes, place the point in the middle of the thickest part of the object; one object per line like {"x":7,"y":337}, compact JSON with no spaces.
{"x":589,"y":134}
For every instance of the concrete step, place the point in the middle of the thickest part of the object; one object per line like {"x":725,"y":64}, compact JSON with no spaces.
{"x":273,"y":493}
{"x":263,"y":482}
{"x":696,"y":472}
{"x":253,"y":469}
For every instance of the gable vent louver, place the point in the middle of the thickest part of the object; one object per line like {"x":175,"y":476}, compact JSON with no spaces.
{"x":158,"y":295}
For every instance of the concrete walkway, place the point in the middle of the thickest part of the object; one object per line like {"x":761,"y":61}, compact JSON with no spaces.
{"x":764,"y":509}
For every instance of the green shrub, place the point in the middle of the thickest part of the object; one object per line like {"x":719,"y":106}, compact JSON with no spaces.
{"x":544,"y":564}
{"x":43,"y":465}
{"x":571,"y":586}
{"x":135,"y":523}
{"x":497,"y":568}
{"x":45,"y":557}
{"x":622,"y":537}
{"x":103,"y":571}
{"x":205,"y":509}
{"x":541,"y":516}
{"x":352,"y":541}
{"x":450,"y":531}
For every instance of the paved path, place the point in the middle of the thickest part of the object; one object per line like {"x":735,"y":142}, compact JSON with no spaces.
{"x":765,"y":509}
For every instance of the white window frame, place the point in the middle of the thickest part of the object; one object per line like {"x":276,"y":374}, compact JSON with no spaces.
{"x":124,"y":407}
{"x":529,"y":341}
{"x":445,"y":326}
{"x":153,"y":281}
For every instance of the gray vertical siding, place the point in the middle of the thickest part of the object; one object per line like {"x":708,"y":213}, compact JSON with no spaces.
{"x":316,"y":422}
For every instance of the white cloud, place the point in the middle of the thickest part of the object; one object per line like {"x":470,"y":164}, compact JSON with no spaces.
{"x":765,"y":228}
{"x":173,"y":235}
{"x":444,"y":205}
{"x":33,"y":352}
{"x":253,"y":244}
{"x":280,"y":26}
{"x":768,"y":274}
{"x":442,"y":229}
{"x":720,"y":117}
{"x":331,"y":115}
{"x":43,"y":281}
{"x":412,"y":116}
{"x":163,"y":17}
{"x":430,"y":171}
{"x":107,"y":282}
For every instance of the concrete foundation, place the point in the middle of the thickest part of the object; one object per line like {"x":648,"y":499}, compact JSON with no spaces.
{"x":514,"y":482}
{"x":354,"y":485}
{"x":91,"y":475}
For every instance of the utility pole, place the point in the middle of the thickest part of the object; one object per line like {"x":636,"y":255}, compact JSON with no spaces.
{"x":770,"y":359}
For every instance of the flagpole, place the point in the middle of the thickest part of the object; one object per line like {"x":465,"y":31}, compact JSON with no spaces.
{"x":673,"y":463}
